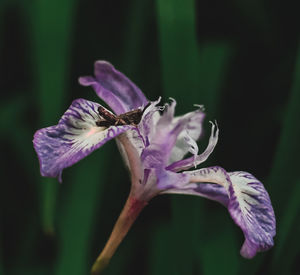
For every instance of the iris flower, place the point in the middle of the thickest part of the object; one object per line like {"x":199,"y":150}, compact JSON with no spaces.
{"x":153,"y":143}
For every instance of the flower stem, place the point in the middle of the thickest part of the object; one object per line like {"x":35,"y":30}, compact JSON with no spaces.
{"x":130,"y":212}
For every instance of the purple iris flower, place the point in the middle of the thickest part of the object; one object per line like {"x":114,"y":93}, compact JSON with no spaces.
{"x":154,"y":144}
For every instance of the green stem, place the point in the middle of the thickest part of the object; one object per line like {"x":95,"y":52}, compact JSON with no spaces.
{"x":130,"y":212}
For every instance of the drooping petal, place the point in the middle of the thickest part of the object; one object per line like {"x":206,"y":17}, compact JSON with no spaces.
{"x":113,"y":87}
{"x":194,"y":161}
{"x":251,"y":209}
{"x":74,"y":137}
{"x":186,"y":141}
{"x":249,"y":205}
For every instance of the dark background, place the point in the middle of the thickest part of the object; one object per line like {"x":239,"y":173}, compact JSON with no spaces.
{"x":241,"y":59}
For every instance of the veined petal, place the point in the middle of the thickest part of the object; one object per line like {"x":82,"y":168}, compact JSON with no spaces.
{"x":75,"y":136}
{"x":194,"y":161}
{"x":249,"y":205}
{"x":251,"y":209}
{"x":113,"y":87}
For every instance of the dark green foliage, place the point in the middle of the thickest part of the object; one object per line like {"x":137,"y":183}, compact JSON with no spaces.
{"x":241,"y":59}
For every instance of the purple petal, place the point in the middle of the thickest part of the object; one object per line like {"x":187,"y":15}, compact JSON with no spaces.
{"x":170,"y":180}
{"x":114,"y":88}
{"x":249,"y":206}
{"x":194,"y":161}
{"x":210,"y":191}
{"x":75,"y":137}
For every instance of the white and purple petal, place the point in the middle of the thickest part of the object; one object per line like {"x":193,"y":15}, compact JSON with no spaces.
{"x":114,"y":88}
{"x":74,"y":137}
{"x":249,"y":205}
{"x":251,"y":209}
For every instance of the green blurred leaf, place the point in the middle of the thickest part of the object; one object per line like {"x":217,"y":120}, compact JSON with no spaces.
{"x":161,"y":243}
{"x":285,"y":168}
{"x":289,"y":220}
{"x":1,"y":252}
{"x":192,"y":74}
{"x":256,"y":14}
{"x":284,"y":171}
{"x":51,"y":38}
{"x":78,"y":214}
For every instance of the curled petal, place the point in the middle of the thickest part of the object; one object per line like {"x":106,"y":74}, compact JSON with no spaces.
{"x":113,"y":87}
{"x":194,"y":161}
{"x":168,"y":115}
{"x":186,"y":141}
{"x":75,"y":136}
{"x":249,"y":205}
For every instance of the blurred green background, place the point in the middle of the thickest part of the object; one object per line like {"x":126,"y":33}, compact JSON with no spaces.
{"x":240,"y":58}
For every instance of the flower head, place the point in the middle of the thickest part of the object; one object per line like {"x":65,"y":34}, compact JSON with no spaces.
{"x":154,"y":143}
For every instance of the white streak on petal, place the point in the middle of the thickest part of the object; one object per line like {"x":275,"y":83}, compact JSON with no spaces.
{"x":75,"y":136}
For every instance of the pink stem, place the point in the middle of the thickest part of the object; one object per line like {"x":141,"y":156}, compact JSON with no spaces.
{"x":130,"y":212}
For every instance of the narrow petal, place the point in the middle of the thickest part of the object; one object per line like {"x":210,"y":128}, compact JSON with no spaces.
{"x":74,"y":137}
{"x":249,"y":205}
{"x":113,"y":87}
{"x":150,"y":118}
{"x":194,"y":161}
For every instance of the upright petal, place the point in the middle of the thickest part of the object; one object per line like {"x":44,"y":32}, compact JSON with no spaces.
{"x":75,"y":136}
{"x":150,"y":118}
{"x":167,"y":131}
{"x":249,"y":205}
{"x":114,"y":88}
